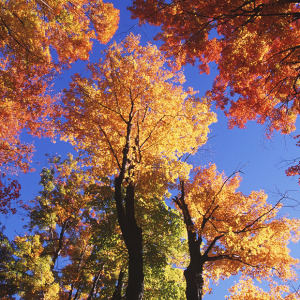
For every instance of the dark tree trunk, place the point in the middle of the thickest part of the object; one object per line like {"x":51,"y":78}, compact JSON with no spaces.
{"x":194,"y":282}
{"x":118,"y":290}
{"x":132,"y":235}
{"x":135,"y":288}
{"x":95,"y":283}
{"x":194,"y":272}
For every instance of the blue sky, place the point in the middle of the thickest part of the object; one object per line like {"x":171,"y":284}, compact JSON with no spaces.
{"x":265,"y":159}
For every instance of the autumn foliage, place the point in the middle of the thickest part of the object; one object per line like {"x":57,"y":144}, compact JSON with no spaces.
{"x":231,"y":233}
{"x":132,"y":101}
{"x":255,"y":45}
{"x":39,"y":39}
{"x":103,"y":225}
{"x":29,"y":29}
{"x":246,"y":288}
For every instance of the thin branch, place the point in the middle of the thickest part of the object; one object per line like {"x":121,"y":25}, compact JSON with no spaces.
{"x":238,"y":170}
{"x":260,"y":217}
{"x":110,"y":146}
{"x":211,"y":245}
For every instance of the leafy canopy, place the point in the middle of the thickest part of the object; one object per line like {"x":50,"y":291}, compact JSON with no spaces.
{"x":131,"y":101}
{"x":254,"y":43}
{"x":236,"y":233}
{"x":38,"y":40}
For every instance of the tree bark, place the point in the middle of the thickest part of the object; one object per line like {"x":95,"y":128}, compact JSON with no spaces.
{"x":95,"y":282}
{"x":118,"y":290}
{"x":194,"y":281}
{"x":132,"y":235}
{"x":194,"y":272}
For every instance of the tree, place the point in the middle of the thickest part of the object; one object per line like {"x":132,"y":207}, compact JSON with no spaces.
{"x":38,"y":40}
{"x":254,"y":43}
{"x":133,"y":121}
{"x":7,"y":287}
{"x":31,"y":271}
{"x":229,"y":232}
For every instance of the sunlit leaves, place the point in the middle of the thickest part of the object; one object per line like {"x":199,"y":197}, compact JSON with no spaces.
{"x":131,"y":98}
{"x":29,"y":29}
{"x":245,"y":289}
{"x":254,"y":43}
{"x":38,"y":40}
{"x":238,"y":233}
{"x":31,"y":271}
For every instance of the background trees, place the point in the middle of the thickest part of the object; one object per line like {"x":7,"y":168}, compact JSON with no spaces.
{"x":74,"y":249}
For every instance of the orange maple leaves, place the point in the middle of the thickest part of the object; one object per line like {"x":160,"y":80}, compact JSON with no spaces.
{"x":31,"y":32}
{"x":245,"y":289}
{"x":133,"y":102}
{"x":236,"y":233}
{"x":254,"y":43}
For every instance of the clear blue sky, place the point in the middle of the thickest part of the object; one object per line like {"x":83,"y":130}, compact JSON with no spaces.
{"x":229,"y":149}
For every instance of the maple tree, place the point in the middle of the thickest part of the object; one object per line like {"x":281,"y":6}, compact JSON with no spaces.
{"x":133,"y":119}
{"x":229,"y":233}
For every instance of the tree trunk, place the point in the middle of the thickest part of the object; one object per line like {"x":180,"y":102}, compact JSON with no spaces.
{"x":118,"y":290}
{"x":194,"y":272}
{"x":194,"y":281}
{"x":135,"y":288}
{"x":132,"y":235}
